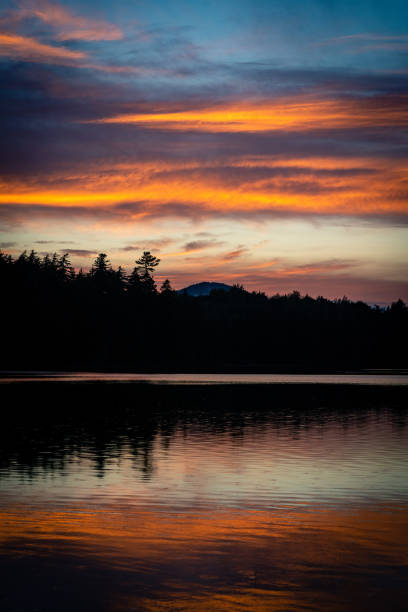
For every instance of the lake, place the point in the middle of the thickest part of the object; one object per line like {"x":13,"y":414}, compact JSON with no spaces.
{"x":263,"y":495}
{"x":379,"y":378}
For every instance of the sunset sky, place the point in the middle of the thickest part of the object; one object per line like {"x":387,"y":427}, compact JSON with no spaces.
{"x":254,"y":142}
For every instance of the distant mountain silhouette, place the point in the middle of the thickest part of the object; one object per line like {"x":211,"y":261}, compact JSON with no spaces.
{"x":204,"y":288}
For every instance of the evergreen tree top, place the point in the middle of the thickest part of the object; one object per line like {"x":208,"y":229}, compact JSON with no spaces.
{"x":147,"y":262}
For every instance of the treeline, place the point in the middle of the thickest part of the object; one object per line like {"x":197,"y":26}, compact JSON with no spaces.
{"x":55,"y":318}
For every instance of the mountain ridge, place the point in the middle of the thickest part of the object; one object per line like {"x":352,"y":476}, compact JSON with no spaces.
{"x":204,"y":288}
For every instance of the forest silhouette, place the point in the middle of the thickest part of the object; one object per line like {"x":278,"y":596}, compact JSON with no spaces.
{"x":106,"y":319}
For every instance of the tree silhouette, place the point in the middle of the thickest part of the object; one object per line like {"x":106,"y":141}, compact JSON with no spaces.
{"x":148,"y":285}
{"x":101,"y":274}
{"x":33,"y":260}
{"x":101,"y":265}
{"x":166,"y":288}
{"x":64,"y":268}
{"x":147,"y":262}
{"x":145,"y":266}
{"x":134,"y":283}
{"x":120,"y":279}
{"x":70,"y":318}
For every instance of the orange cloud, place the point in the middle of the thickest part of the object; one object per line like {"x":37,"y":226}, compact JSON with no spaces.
{"x":308,"y":114}
{"x":29,"y":49}
{"x":236,"y":188}
{"x":71,"y":27}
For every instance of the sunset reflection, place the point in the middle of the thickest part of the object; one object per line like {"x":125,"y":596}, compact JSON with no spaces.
{"x":220,"y":560}
{"x":209,"y":509}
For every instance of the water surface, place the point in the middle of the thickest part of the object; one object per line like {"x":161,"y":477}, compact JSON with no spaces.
{"x":383,"y":378}
{"x":139,"y":497}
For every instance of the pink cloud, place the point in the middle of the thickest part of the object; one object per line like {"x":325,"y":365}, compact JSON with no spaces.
{"x":30,"y":49}
{"x":68,"y":25}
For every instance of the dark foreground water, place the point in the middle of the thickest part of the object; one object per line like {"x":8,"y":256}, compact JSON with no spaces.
{"x":119,"y":497}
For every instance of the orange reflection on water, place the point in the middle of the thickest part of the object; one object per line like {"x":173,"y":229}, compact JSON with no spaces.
{"x":293,"y":558}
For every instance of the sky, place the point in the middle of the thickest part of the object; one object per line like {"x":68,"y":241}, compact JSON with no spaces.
{"x":256,"y":142}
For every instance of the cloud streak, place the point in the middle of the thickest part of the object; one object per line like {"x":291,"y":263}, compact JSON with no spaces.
{"x":199,"y":245}
{"x":67,"y":25}
{"x":232,"y":255}
{"x":26,"y":48}
{"x":242,"y":188}
{"x":79,"y":252}
{"x":366,"y":41}
{"x":298,"y":115}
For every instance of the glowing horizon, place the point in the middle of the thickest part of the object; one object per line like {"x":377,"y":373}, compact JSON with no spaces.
{"x":122,"y":131}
